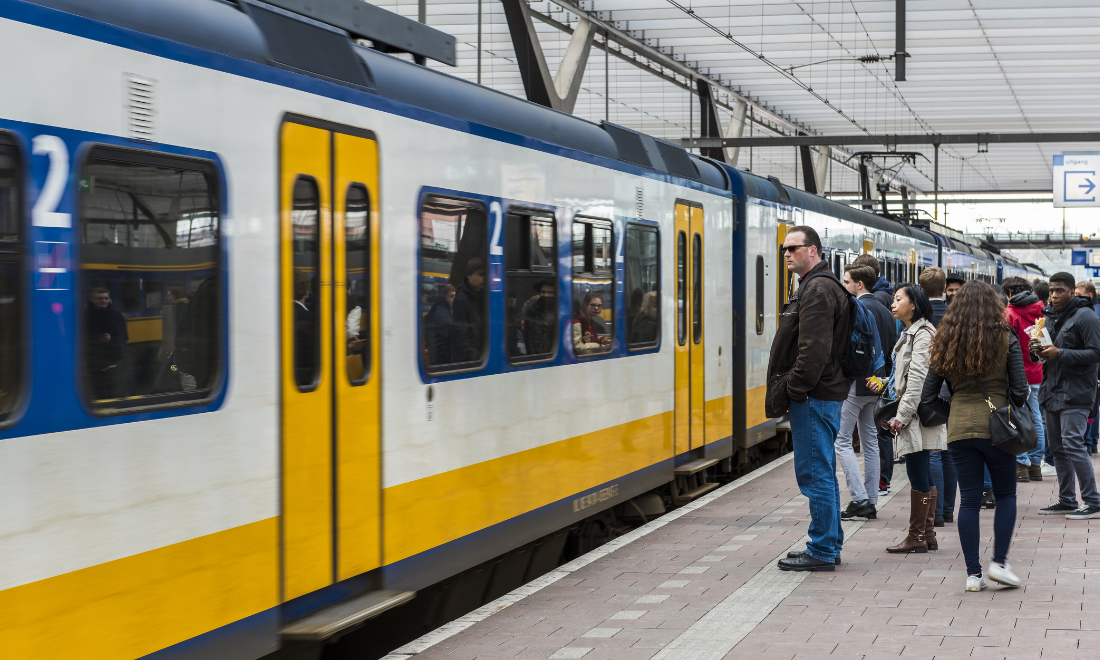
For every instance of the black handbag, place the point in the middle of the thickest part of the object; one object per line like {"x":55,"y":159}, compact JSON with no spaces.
{"x":929,"y":417}
{"x":1011,"y":429}
{"x":886,"y":409}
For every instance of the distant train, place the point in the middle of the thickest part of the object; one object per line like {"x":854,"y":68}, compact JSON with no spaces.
{"x":416,"y":326}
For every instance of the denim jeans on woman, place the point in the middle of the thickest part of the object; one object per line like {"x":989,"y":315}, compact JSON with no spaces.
{"x":1035,"y":456}
{"x":972,"y":456}
{"x":814,"y":425}
{"x":947,"y":482}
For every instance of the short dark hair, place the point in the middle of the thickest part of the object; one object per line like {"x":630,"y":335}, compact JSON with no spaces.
{"x":869,"y":261}
{"x":933,"y":281}
{"x":811,"y":237}
{"x":864,"y":274}
{"x":1013,"y":285}
{"x":475,"y":266}
{"x":1064,"y":278}
{"x":1041,"y":289}
{"x":922,"y":307}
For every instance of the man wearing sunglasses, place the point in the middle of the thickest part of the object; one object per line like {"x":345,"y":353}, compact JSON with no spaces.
{"x":806,"y":379}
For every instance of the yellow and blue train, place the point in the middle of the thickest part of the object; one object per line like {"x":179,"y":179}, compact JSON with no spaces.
{"x":224,"y":228}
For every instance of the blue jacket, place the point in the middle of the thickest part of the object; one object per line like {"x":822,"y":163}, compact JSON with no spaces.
{"x":887,"y":333}
{"x":884,"y":293}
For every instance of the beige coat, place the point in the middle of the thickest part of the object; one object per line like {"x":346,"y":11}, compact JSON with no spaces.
{"x":911,"y":356}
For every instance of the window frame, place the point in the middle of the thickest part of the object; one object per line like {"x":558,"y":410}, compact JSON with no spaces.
{"x":681,"y":288}
{"x":368,"y":363}
{"x":760,"y":292}
{"x":593,"y":221}
{"x":322,"y":309}
{"x":427,"y":370}
{"x":527,"y":211}
{"x":25,"y":283}
{"x":214,"y":175}
{"x":698,"y":320}
{"x":648,"y":346}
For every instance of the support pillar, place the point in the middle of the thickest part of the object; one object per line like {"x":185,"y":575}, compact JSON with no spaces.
{"x":821,"y":168}
{"x":558,"y":92}
{"x":734,"y":130}
{"x":709,"y":124}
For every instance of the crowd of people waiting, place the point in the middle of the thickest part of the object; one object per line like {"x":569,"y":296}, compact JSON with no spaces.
{"x":959,"y":357}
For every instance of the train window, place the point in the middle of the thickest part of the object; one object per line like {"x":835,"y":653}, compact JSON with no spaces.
{"x":759,"y":295}
{"x":308,"y":308}
{"x":530,"y":287}
{"x":681,"y":288}
{"x":11,"y":279}
{"x":593,"y":287}
{"x":357,"y":275}
{"x":697,"y":289}
{"x":130,"y":294}
{"x":892,"y":272}
{"x":154,"y":295}
{"x":142,"y":211}
{"x":453,"y":274}
{"x":643,"y":281}
{"x":838,"y":264}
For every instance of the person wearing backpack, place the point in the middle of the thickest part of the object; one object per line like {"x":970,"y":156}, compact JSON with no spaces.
{"x":805,"y":377}
{"x":860,"y":406}
{"x":914,"y":440}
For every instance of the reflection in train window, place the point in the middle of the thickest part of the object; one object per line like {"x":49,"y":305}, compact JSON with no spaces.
{"x":593,"y":323}
{"x":530,"y":287}
{"x":154,"y":295}
{"x":305,"y":219}
{"x":357,"y":274}
{"x":681,"y":288}
{"x":146,"y":212}
{"x":697,"y":289}
{"x":759,"y":295}
{"x":454,"y":274}
{"x":11,"y":278}
{"x":643,"y":281}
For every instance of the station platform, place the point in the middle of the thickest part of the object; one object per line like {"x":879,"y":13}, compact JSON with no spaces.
{"x":701,"y":583}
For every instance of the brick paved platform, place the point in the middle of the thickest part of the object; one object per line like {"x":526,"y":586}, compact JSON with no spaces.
{"x":704,"y":585}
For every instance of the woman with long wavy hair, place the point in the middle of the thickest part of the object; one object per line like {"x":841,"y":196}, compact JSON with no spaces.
{"x":975,"y":349}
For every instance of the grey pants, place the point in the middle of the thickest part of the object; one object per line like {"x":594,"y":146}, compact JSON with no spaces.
{"x":1065,"y":431}
{"x":861,"y":410}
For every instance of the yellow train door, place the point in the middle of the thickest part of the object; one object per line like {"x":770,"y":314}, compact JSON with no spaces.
{"x":328,"y":295}
{"x":690,"y":371}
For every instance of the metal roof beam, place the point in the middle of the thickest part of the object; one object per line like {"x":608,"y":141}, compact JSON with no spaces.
{"x":890,"y":140}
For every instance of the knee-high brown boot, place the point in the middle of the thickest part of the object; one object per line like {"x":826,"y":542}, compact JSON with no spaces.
{"x":918,"y":513}
{"x":930,"y":521}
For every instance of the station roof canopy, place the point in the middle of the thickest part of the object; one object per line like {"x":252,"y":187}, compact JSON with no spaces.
{"x":973,"y":66}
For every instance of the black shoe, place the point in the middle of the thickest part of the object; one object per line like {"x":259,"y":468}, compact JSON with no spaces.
{"x":805,"y":562}
{"x":860,"y":509}
{"x":939,"y":521}
{"x":1057,"y":509}
{"x":949,"y":516}
{"x":795,"y":554}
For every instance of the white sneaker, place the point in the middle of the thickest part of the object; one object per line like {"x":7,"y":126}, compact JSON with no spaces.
{"x":1048,"y":470}
{"x":976,"y":582}
{"x":1003,"y":575}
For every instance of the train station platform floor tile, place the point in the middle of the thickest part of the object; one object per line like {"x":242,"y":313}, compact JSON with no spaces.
{"x":701,"y":583}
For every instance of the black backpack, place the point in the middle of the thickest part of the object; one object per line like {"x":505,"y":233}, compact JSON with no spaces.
{"x":863,"y":355}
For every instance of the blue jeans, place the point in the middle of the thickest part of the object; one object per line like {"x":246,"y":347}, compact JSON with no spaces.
{"x":947,"y":482}
{"x":814,"y":427}
{"x":971,"y":456}
{"x":919,"y":470}
{"x":1035,"y":456}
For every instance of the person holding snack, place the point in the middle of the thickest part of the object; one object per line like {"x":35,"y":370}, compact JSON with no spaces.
{"x":1024,"y":310}
{"x":1067,"y":395}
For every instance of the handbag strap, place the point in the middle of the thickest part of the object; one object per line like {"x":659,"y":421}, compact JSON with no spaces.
{"x":992,"y":408}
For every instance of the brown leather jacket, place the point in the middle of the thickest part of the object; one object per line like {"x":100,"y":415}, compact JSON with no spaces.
{"x":808,"y":346}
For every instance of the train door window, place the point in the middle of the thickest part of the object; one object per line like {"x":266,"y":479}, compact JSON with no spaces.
{"x":827,"y":257}
{"x":12,"y":295}
{"x":892,"y":272}
{"x":530,"y":287}
{"x":681,"y":288}
{"x":759,"y":294}
{"x":357,"y":269}
{"x":838,"y":264}
{"x":144,"y":211}
{"x":308,"y":308}
{"x":643,"y":281}
{"x":593,"y":321}
{"x":697,"y":288}
{"x":454,"y":299}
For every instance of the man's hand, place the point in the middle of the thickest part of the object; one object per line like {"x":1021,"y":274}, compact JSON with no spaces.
{"x":1049,"y":353}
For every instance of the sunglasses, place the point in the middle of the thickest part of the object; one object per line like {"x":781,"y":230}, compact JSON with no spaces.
{"x":791,"y":249}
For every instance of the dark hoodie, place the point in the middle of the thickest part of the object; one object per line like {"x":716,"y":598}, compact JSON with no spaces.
{"x":883,"y":292}
{"x":1021,"y":313}
{"x":1069,"y":382}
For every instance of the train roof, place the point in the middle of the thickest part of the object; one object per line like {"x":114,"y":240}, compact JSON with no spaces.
{"x":261,"y":33}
